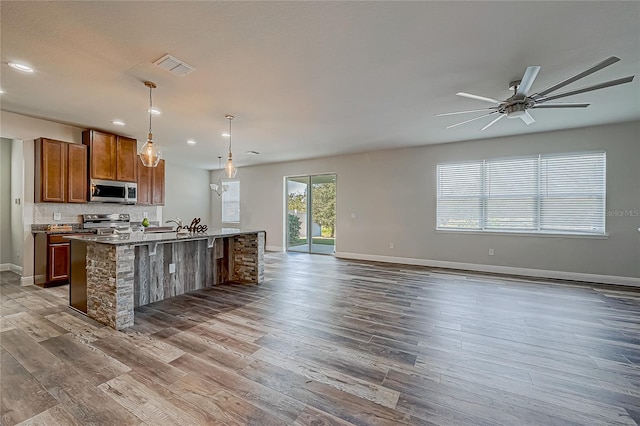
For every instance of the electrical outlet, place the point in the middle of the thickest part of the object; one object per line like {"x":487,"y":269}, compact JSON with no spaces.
{"x":390,"y":245}
{"x":490,"y":252}
{"x":144,"y":215}
{"x":57,"y":216}
{"x":353,"y":215}
{"x":172,"y":268}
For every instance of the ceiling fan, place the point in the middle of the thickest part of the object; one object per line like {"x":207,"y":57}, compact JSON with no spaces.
{"x":521,"y":101}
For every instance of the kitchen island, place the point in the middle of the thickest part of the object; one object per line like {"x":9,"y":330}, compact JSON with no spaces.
{"x":111,"y":275}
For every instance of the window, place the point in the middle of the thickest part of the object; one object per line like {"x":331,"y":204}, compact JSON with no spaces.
{"x":558,"y":194}
{"x":231,"y":202}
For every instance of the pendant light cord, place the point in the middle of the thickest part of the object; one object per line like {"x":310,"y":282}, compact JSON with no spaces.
{"x":230,"y":119}
{"x":150,"y":107}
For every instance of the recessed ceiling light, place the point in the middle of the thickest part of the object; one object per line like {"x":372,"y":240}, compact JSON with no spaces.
{"x":225,"y":135}
{"x":21,"y":67}
{"x":191,"y":142}
{"x":154,"y":111}
{"x":252,"y":152}
{"x":118,"y":122}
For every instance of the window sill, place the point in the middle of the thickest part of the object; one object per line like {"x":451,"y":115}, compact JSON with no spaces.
{"x":522,"y":234}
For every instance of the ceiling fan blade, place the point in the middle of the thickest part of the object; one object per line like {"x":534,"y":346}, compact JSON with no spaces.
{"x":527,"y":118}
{"x":563,"y":105}
{"x":527,"y":81}
{"x":464,"y":112}
{"x":479,"y":98}
{"x":492,"y":123}
{"x":588,"y":89}
{"x":473,"y":119}
{"x":609,"y":61}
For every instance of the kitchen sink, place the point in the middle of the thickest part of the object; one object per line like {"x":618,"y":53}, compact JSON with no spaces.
{"x":158,"y":229}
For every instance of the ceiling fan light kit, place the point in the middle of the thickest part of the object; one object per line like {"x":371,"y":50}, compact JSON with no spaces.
{"x":520,"y":102}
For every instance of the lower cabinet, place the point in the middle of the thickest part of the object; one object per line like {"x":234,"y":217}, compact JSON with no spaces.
{"x":57,"y":259}
{"x":52,"y":258}
{"x":58,"y":262}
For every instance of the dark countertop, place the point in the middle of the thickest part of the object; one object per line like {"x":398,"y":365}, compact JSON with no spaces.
{"x":140,"y":238}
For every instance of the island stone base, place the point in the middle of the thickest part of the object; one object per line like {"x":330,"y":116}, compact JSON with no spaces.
{"x":110,"y":297}
{"x":120,"y":277}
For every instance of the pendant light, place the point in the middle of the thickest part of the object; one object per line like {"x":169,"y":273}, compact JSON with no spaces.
{"x":229,"y":169}
{"x":149,"y":154}
{"x":219,"y":188}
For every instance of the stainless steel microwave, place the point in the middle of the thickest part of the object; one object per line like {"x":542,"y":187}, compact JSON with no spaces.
{"x":110,"y":191}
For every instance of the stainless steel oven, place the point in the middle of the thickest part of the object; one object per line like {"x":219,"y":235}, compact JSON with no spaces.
{"x":109,"y":191}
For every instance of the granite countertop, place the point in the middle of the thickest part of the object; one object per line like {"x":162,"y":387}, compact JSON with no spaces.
{"x":60,"y":232}
{"x":140,"y":238}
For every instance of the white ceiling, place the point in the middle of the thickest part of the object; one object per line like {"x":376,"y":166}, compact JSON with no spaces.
{"x":310,"y":79}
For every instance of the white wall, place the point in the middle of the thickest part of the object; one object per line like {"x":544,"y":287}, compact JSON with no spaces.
{"x":17,"y":194}
{"x":6,"y":248}
{"x":187,"y":194}
{"x":393,"y":195}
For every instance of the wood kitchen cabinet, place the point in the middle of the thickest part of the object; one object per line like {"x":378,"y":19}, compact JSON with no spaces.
{"x":77,"y":173}
{"x":150,"y":184}
{"x":52,"y":254}
{"x":60,"y":172}
{"x":126,"y":159}
{"x":57,"y":259}
{"x":112,"y":157}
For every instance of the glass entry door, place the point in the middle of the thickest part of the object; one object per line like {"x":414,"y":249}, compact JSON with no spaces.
{"x":311,"y":214}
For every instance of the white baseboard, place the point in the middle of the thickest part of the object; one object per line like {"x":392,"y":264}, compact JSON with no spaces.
{"x":539,"y":273}
{"x":27,"y":281}
{"x":273,"y":248}
{"x":11,"y":267}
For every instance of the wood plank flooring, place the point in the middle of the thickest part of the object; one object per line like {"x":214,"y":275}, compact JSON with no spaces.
{"x":326,"y":341}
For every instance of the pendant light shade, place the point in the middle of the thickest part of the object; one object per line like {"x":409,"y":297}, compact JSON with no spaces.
{"x":219,"y":188}
{"x":150,"y":154}
{"x":229,"y":169}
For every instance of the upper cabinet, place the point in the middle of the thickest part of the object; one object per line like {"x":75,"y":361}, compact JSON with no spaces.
{"x":60,"y":172}
{"x":126,"y":159}
{"x":77,"y":174}
{"x":150,"y":184}
{"x":112,"y":157}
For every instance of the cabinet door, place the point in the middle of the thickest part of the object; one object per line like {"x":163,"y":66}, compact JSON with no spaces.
{"x":51,"y":170}
{"x":58,"y":262}
{"x":102,"y":153}
{"x":77,"y":173}
{"x":144,"y":183}
{"x":157,"y":193}
{"x":126,"y":159}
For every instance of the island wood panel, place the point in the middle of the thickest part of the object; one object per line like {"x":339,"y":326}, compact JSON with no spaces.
{"x":197,"y":266}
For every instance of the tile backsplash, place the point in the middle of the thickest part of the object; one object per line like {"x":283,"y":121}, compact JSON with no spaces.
{"x":72,"y":213}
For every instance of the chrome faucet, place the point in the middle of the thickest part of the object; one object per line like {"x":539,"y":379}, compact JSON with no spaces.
{"x":177,"y":221}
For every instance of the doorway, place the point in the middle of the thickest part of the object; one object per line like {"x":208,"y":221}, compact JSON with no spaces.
{"x":311,"y":214}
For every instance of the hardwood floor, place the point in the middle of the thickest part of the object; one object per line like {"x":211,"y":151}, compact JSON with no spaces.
{"x":330,"y":342}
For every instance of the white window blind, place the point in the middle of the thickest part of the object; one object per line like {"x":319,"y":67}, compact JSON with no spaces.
{"x":231,"y":202}
{"x":543,"y":194}
{"x":573,"y":193}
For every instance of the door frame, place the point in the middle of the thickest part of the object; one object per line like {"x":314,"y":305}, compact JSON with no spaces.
{"x":285,"y":236}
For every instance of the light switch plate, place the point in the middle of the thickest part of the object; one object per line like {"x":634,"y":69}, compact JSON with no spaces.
{"x":172,"y":268}
{"x":57,"y":216}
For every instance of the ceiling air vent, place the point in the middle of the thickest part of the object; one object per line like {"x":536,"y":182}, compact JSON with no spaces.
{"x":174,"y":65}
